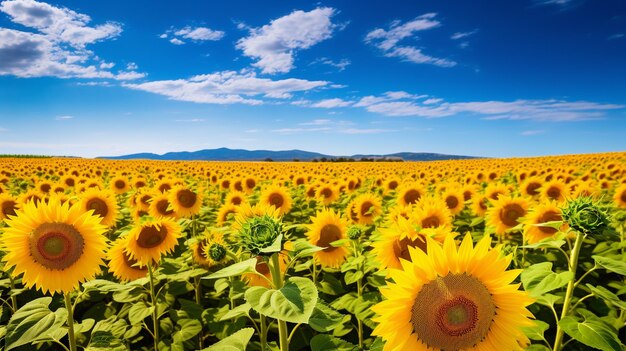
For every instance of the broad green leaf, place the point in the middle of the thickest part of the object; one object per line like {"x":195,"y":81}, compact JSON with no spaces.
{"x":105,"y":341}
{"x":247,"y":266}
{"x":128,"y":293}
{"x":545,"y":243}
{"x":276,"y":245}
{"x":352,"y":276}
{"x":594,"y":333}
{"x":324,"y":318}
{"x":236,"y":342}
{"x":305,"y":248}
{"x":293,"y":303}
{"x":548,"y":299}
{"x":539,"y":279}
{"x":330,"y":285}
{"x":537,"y":347}
{"x":239,"y":311}
{"x":611,"y":264}
{"x":138,"y":312}
{"x":536,"y":331}
{"x":188,"y":329}
{"x":607,"y":295}
{"x":325,"y":342}
{"x":84,"y":326}
{"x":377,"y":345}
{"x":34,"y":322}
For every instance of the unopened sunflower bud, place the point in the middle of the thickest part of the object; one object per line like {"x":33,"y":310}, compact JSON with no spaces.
{"x":355,"y":232}
{"x":585,"y":215}
{"x":259,"y":233}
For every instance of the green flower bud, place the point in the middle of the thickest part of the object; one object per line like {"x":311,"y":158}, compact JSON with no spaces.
{"x":585,"y":215}
{"x":259,"y":234}
{"x":217,"y":252}
{"x":355,"y":232}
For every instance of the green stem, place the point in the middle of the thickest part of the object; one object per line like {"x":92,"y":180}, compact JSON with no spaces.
{"x":155,"y":313}
{"x":573,"y":264}
{"x":359,"y":322}
{"x":277,"y":279}
{"x":198,"y":286}
{"x":70,"y":321}
{"x":263,"y":333}
{"x":13,"y":297}
{"x":314,"y":271}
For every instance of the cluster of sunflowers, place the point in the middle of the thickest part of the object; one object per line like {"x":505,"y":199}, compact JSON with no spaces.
{"x":322,"y":256}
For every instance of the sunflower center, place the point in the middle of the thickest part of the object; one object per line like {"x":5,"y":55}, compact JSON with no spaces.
{"x":276,"y":200}
{"x":412,"y":196}
{"x":623,"y":196}
{"x":120,"y":184}
{"x":401,"y":248}
{"x":533,"y":188}
{"x":217,"y":252}
{"x":328,"y":234}
{"x":510,"y":213}
{"x":8,"y":208}
{"x":392,"y":185}
{"x":326,"y":192}
{"x":549,"y":216}
{"x":162,"y":207}
{"x":250,"y":183}
{"x":467,"y":195}
{"x":45,"y":187}
{"x":98,"y":206}
{"x":430,"y":222}
{"x":132,"y":263}
{"x":186,"y":198}
{"x":453,"y":312}
{"x":554,"y":193}
{"x":262,"y":266}
{"x":151,"y":236}
{"x":56,"y":245}
{"x":365,"y":209}
{"x":452,"y":202}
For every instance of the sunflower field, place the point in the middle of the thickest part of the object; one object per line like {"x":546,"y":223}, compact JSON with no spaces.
{"x":482,"y":254}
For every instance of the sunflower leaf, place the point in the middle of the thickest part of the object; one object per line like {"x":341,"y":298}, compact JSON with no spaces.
{"x":247,"y":266}
{"x":294,"y":302}
{"x":324,"y":318}
{"x":536,"y":331}
{"x":34,"y":322}
{"x":236,"y":342}
{"x":325,"y":342}
{"x":539,"y":279}
{"x":611,"y":264}
{"x":275,"y":247}
{"x":592,"y":332}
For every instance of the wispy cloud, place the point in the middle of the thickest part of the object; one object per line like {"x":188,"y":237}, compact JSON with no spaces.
{"x":388,"y":40}
{"x":532,"y":132}
{"x":274,"y":44}
{"x":194,"y":34}
{"x":191,"y":120}
{"x":64,"y":118}
{"x":339,"y":65}
{"x":228,"y":87}
{"x":332,"y":103}
{"x":329,"y":126}
{"x":461,"y":35}
{"x":615,"y":36}
{"x":58,"y":48}
{"x":317,"y":122}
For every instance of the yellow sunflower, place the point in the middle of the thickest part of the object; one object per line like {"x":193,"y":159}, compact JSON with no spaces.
{"x":554,"y":190}
{"x":452,"y":299}
{"x":480,"y":205}
{"x":119,"y":184}
{"x":495,"y":190}
{"x":103,"y":204}
{"x":432,"y":213}
{"x":328,"y":226}
{"x":454,"y":200}
{"x":226,"y":213}
{"x":122,"y":265}
{"x":531,"y":186}
{"x":160,"y":206}
{"x":506,"y":212}
{"x":8,"y":206}
{"x":367,"y":207}
{"x":542,"y":213}
{"x":32,"y":195}
{"x":184,"y":201}
{"x":236,"y":198}
{"x":327,"y":193}
{"x":151,"y":239}
{"x":620,"y":196}
{"x":56,"y":246}
{"x":246,"y":211}
{"x":215,"y":248}
{"x":278,"y":197}
{"x":409,"y":194}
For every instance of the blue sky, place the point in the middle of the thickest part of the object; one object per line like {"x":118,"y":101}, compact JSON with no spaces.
{"x":489,"y":78}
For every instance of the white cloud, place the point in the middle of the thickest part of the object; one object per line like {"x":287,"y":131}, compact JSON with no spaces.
{"x":332,"y":103}
{"x":58,"y":49}
{"x":300,"y":130}
{"x":539,"y":110}
{"x":191,"y":120}
{"x":227,"y":87}
{"x":388,"y":96}
{"x":339,"y":65}
{"x":131,"y":66}
{"x":316,"y":122}
{"x":364,"y":131}
{"x":274,"y":44}
{"x":387,"y":40}
{"x":196,"y":34}
{"x":95,"y":84}
{"x":461,"y":35}
{"x":64,"y":118}
{"x":532,"y":132}
{"x":330,"y":126}
{"x":616,"y":36}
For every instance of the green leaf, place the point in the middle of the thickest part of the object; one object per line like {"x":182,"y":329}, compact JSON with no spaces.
{"x":592,"y":332}
{"x":188,"y":329}
{"x":236,"y":342}
{"x":607,"y":295}
{"x":84,"y":326}
{"x":247,"y":266}
{"x":105,"y":341}
{"x":536,"y":331}
{"x":294,"y":302}
{"x":476,"y":221}
{"x":325,"y":342}
{"x":539,"y":279}
{"x":324,"y":318}
{"x":611,"y":264}
{"x":545,"y":244}
{"x":275,"y":247}
{"x":304,"y":249}
{"x":138,"y":312}
{"x":537,"y":347}
{"x":34,"y":322}
{"x":377,"y":345}
{"x":128,"y":294}
{"x":352,"y":276}
{"x":239,"y":311}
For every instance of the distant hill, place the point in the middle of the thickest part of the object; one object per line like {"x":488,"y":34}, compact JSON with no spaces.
{"x":225,"y":154}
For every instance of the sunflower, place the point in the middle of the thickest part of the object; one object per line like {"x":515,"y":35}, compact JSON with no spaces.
{"x":44,"y":186}
{"x":495,"y":190}
{"x":32,"y":195}
{"x":328,"y":226}
{"x":452,"y":299}
{"x":367,"y":207}
{"x":542,"y":213}
{"x":409,"y":194}
{"x":8,"y":206}
{"x":246,"y":211}
{"x":215,"y":248}
{"x":454,"y":200}
{"x":185,"y":202}
{"x":480,"y":205}
{"x":250,"y":183}
{"x":263,"y":270}
{"x":226,"y":213}
{"x":327,"y":193}
{"x":554,"y":190}
{"x":236,"y":198}
{"x":278,"y":197}
{"x":151,"y":239}
{"x":103,"y":204}
{"x":620,"y":196}
{"x":160,"y":206}
{"x":531,"y":186}
{"x":506,"y":212}
{"x":56,"y":246}
{"x":432,"y":213}
{"x":119,"y":184}
{"x":122,"y":265}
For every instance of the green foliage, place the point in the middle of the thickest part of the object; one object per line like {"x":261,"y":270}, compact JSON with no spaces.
{"x":294,"y":302}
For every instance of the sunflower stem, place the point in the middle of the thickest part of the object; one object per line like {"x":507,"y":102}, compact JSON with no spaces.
{"x":70,"y":321}
{"x":573,"y":264}
{"x":198,"y":287}
{"x":277,"y":279}
{"x":155,"y":313}
{"x":13,"y":297}
{"x":263,"y":333}
{"x":359,"y":322}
